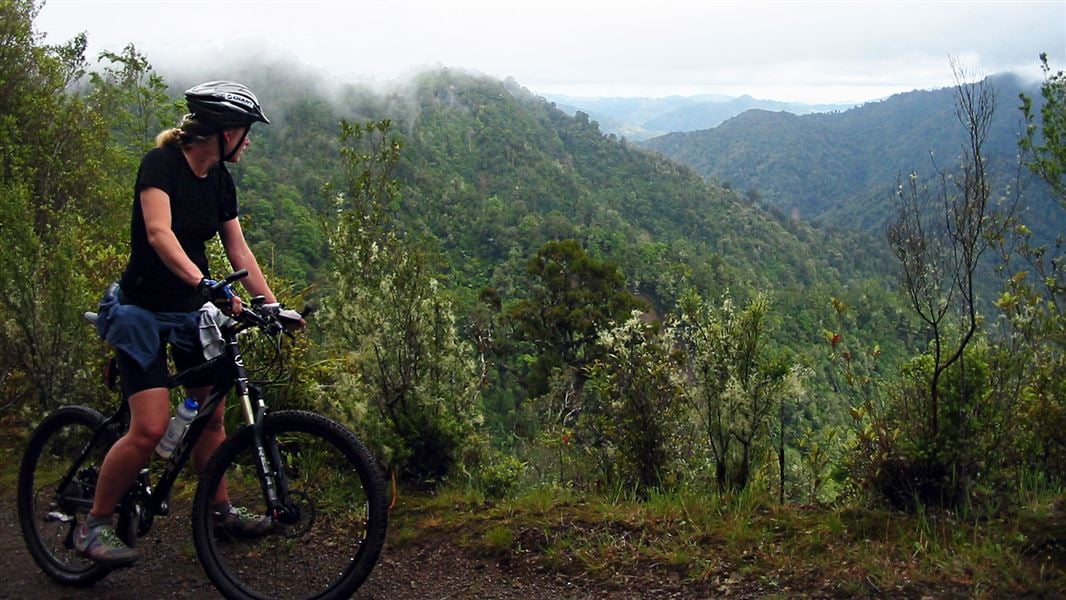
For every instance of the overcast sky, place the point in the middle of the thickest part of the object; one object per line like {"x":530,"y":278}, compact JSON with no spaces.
{"x":800,"y":51}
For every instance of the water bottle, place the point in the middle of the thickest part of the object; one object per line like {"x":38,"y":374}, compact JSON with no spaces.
{"x":176,"y":429}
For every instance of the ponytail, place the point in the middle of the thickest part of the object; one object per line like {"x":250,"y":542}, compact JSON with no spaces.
{"x":168,"y":137}
{"x":190,"y":131}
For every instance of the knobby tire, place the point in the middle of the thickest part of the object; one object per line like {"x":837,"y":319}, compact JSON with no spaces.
{"x":53,"y":447}
{"x":339,"y":491}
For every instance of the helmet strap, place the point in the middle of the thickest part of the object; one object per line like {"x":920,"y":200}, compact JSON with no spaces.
{"x":222,"y":145}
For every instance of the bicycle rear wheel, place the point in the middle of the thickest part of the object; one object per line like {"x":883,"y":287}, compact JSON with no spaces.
{"x":48,"y":516}
{"x":333,"y":535}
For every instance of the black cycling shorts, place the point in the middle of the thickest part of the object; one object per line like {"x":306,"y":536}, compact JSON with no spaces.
{"x":134,"y":379}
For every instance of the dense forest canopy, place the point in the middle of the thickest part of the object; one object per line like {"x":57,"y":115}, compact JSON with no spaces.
{"x":485,"y":155}
{"x":491,"y":172}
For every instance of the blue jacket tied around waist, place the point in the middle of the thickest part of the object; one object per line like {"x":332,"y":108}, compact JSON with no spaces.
{"x":139,"y":332}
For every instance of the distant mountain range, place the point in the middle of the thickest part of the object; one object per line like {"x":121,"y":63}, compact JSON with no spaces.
{"x":841,"y":168}
{"x":643,"y":118}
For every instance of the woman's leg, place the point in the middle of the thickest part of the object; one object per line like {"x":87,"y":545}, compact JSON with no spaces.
{"x":211,"y":438}
{"x":235,"y":520}
{"x":149,"y":417}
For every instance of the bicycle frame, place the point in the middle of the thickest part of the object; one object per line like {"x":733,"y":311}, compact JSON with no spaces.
{"x":230,"y":373}
{"x":315,"y":482}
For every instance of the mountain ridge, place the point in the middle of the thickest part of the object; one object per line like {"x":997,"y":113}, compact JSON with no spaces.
{"x":640,"y":118}
{"x":842,"y":168}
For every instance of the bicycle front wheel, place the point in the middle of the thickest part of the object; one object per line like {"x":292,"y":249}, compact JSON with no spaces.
{"x":48,"y":515}
{"x":328,"y":539}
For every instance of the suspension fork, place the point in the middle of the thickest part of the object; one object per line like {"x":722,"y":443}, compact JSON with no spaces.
{"x":272,"y":473}
{"x":267,"y":457}
{"x":252,"y":412}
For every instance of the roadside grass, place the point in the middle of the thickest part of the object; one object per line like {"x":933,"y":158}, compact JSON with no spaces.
{"x":751,"y":544}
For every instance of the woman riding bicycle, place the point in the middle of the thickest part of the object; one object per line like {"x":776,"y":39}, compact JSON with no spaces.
{"x":183,"y":196}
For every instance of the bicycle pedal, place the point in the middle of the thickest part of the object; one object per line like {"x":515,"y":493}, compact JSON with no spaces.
{"x":58,"y":517}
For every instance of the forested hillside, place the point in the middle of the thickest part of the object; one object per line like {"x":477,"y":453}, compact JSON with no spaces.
{"x":490,"y":173}
{"x":843,"y":168}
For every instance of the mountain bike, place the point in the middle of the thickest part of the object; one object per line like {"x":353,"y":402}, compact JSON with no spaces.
{"x":318,"y":483}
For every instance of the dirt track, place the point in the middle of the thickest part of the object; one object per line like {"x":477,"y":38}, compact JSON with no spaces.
{"x":170,"y":570}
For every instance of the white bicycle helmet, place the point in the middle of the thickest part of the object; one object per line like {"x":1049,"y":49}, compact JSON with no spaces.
{"x":224,"y":104}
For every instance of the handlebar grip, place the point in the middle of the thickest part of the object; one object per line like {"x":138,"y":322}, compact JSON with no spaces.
{"x":236,"y":275}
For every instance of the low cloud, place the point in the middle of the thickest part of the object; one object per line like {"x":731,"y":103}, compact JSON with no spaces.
{"x":814,"y":52}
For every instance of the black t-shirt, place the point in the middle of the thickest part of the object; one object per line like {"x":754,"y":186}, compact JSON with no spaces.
{"x":198,"y":206}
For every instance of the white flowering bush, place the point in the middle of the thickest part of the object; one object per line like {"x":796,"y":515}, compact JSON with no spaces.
{"x":635,"y":392}
{"x":733,"y":383}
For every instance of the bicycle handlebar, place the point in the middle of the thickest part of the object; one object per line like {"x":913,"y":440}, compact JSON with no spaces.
{"x":234,"y":276}
{"x":220,"y":291}
{"x":252,"y":316}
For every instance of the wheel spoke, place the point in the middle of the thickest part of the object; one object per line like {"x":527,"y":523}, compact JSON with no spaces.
{"x":49,"y":515}
{"x":328,"y":536}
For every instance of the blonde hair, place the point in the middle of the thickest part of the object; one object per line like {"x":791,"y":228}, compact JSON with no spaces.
{"x":188,"y":132}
